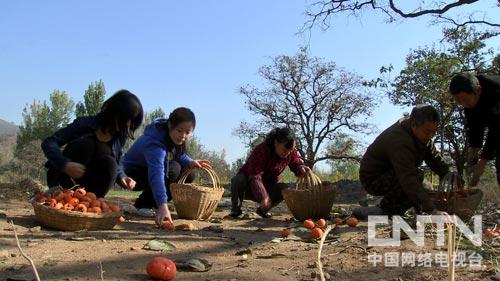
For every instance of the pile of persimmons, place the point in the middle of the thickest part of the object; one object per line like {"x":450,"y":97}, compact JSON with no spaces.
{"x":317,"y":228}
{"x":77,"y":200}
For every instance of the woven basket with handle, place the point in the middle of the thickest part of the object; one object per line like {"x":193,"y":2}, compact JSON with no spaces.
{"x":195,"y":201}
{"x":74,"y":221}
{"x":463,"y":204}
{"x":310,"y":198}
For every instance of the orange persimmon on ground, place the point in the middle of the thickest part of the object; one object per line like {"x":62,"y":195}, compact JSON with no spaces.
{"x":321,"y":223}
{"x":352,"y":221}
{"x":309,"y":224}
{"x":161,"y":268}
{"x":316,"y":233}
{"x":189,"y":226}
{"x":168,"y":225}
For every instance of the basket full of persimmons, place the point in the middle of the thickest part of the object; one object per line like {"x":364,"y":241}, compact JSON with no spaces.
{"x":75,"y":209}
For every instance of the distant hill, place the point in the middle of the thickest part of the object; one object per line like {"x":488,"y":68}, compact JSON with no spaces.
{"x":7,"y":128}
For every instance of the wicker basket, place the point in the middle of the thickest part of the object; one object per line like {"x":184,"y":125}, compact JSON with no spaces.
{"x":196,"y":202}
{"x":310,"y":198}
{"x":74,"y":221}
{"x":463,"y":207}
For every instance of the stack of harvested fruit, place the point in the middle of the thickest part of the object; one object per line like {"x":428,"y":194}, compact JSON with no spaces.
{"x":76,"y":200}
{"x":75,"y":210}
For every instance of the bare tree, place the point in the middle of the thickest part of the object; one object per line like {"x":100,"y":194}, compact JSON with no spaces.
{"x":320,"y":12}
{"x":316,"y":99}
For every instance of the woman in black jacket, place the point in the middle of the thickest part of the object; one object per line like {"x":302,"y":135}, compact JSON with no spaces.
{"x":93,"y":146}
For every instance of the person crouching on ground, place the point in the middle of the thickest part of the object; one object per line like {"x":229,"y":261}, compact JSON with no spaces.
{"x":258,"y":179}
{"x":93,"y":147}
{"x":390,"y":166}
{"x":157,"y":157}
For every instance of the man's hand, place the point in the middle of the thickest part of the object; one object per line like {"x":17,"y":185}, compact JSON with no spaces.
{"x":200,"y":164}
{"x":447,"y":217}
{"x":477,"y":172}
{"x":303,"y":170}
{"x":163,"y":214}
{"x":128,"y":182}
{"x":74,"y":170}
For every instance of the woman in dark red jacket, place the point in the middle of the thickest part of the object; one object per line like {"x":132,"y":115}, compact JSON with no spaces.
{"x":258,"y":179}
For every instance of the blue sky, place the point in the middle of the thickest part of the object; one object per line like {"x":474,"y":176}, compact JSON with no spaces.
{"x":185,"y":53}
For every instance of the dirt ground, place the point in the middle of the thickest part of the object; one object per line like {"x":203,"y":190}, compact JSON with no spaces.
{"x":79,"y":255}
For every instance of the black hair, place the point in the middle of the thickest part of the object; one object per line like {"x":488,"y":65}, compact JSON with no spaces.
{"x":464,"y":82}
{"x":181,"y":114}
{"x":282,"y":135}
{"x":176,"y":117}
{"x":423,"y":113}
{"x":117,"y":110}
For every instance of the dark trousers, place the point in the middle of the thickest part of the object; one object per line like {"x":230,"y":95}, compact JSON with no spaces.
{"x":395,"y":200}
{"x":240,"y":190}
{"x":101,"y":166}
{"x":497,"y":165}
{"x":146,"y":199}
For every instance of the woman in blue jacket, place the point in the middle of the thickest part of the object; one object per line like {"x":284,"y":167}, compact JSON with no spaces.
{"x":93,"y":146}
{"x":157,"y":157}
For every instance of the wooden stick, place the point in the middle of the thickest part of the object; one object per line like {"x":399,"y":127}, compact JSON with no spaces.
{"x":451,"y":251}
{"x":33,"y":267}
{"x":321,"y":243}
{"x":102,"y":271}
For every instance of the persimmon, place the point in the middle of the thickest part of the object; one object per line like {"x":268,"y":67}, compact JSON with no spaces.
{"x":321,"y":223}
{"x":121,"y":219}
{"x":58,"y":196}
{"x":286,"y":232}
{"x":91,"y":195}
{"x":338,"y":221}
{"x":81,"y":208}
{"x":490,"y":233}
{"x":104,"y":205}
{"x":59,"y":206}
{"x":161,"y":268}
{"x":114,"y":208}
{"x":53,"y":203}
{"x":168,"y":225}
{"x":39,"y":197}
{"x":86,"y":199}
{"x":188,"y":226}
{"x":80,"y":192}
{"x":316,"y":233}
{"x":352,"y":221}
{"x":95,"y":210}
{"x":95,"y":203}
{"x":309,"y":224}
{"x":73,"y":201}
{"x":85,"y":203}
{"x":67,"y":197}
{"x":68,"y":207}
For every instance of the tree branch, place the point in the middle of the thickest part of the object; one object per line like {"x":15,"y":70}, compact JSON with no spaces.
{"x":440,"y":11}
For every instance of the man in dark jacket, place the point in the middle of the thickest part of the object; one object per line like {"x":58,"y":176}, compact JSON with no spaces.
{"x":390,"y":166}
{"x":480,"y":97}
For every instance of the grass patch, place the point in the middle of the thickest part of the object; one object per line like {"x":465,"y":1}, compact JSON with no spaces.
{"x":123,"y":193}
